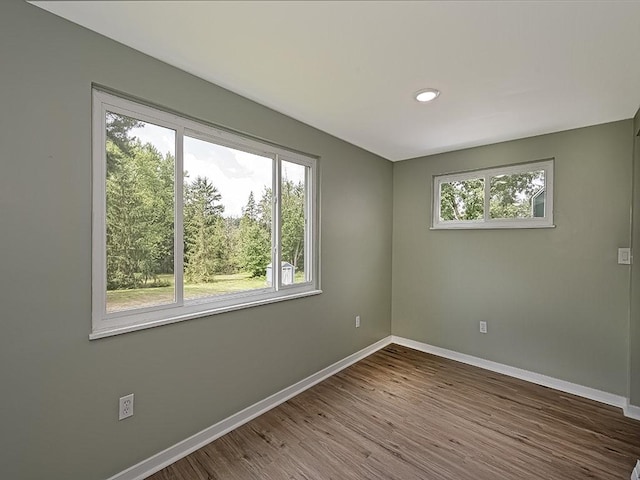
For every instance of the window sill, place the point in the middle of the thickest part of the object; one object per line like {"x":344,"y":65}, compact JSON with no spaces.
{"x":112,"y":331}
{"x":478,"y":226}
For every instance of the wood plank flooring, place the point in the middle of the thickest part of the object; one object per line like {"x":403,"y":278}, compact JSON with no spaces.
{"x":407,"y":415}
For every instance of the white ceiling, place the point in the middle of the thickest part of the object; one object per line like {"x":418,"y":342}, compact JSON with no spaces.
{"x":506,"y":70}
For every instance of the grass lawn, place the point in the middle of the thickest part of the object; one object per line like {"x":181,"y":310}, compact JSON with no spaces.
{"x":143,"y":297}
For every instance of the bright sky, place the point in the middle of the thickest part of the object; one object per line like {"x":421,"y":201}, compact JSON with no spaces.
{"x":234,"y":173}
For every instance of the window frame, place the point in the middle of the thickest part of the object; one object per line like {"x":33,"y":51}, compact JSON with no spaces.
{"x":486,"y":174}
{"x":107,"y":324}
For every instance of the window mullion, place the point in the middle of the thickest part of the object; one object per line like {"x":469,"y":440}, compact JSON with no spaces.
{"x":178,"y":255}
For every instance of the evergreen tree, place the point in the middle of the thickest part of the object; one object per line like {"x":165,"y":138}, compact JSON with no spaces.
{"x":203,"y":228}
{"x":255,"y":239}
{"x":139,"y":215}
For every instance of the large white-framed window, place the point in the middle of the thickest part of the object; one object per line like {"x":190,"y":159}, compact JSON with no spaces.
{"x":189,"y":219}
{"x":514,"y":196}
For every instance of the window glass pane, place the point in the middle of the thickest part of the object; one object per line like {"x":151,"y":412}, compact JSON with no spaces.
{"x":519,"y":195}
{"x":140,"y":213}
{"x":293,"y":192}
{"x":462,"y":200}
{"x":227,"y":219}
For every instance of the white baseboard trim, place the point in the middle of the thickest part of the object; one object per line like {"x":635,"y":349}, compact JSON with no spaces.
{"x":557,"y":384}
{"x":632,"y":411}
{"x":181,"y":449}
{"x":185,"y":447}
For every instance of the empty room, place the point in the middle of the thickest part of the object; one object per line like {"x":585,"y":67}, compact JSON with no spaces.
{"x":319,"y":240}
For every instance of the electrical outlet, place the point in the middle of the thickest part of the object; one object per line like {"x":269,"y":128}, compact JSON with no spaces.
{"x":483,"y":327}
{"x":126,"y":407}
{"x":624,"y":256}
{"x":357,"y":321}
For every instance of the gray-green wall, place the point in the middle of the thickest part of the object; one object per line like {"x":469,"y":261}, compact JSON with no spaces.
{"x":59,"y":391}
{"x":556,"y":301}
{"x":634,"y":337}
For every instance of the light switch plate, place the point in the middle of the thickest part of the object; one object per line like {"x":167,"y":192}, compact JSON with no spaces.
{"x":624,"y":256}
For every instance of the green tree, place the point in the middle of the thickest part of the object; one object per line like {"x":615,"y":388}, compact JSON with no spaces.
{"x":255,"y":229}
{"x":511,"y":195}
{"x":255,"y":236}
{"x":293,"y":223}
{"x":229,"y":261}
{"x":203,"y":227}
{"x":264,"y":209}
{"x":139,"y":189}
{"x":463,"y":200}
{"x":118,"y":128}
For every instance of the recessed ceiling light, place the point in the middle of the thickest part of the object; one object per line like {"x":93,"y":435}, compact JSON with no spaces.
{"x":427,"y":94}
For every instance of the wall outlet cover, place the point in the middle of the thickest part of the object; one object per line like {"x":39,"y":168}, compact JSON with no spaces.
{"x":125,"y":407}
{"x":624,"y":256}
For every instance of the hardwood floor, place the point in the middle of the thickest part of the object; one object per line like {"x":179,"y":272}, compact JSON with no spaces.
{"x":405,"y":415}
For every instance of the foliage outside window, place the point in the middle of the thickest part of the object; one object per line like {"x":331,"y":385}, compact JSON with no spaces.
{"x":189,"y":220}
{"x":517,"y":196}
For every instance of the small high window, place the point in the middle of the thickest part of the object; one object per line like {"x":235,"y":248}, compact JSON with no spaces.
{"x":516,"y":196}
{"x":189,"y":219}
